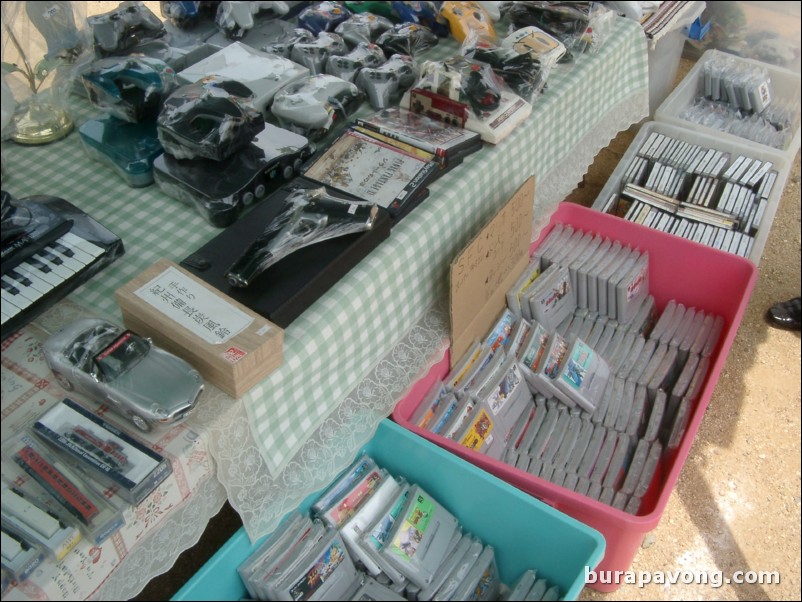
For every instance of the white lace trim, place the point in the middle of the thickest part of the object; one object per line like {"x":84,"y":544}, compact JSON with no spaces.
{"x":262,"y":500}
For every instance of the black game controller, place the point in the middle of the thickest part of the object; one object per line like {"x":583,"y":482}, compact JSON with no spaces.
{"x":385,"y":84}
{"x":407,"y":38}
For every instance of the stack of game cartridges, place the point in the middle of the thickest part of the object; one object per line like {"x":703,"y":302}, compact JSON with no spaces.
{"x":602,"y":393}
{"x":374,"y":536}
{"x":710,"y":196}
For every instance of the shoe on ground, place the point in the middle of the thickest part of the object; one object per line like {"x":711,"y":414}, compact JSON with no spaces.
{"x":786,"y":314}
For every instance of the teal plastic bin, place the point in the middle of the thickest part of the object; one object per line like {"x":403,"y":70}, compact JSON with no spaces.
{"x":525,"y":532}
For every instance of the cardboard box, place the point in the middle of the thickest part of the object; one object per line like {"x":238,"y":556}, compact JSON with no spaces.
{"x":231,"y":346}
{"x":487,"y":267}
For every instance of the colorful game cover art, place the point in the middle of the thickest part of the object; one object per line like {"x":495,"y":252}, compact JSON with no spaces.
{"x":412,"y":530}
{"x":350,"y":504}
{"x":537,"y":347}
{"x":479,"y":431}
{"x":378,"y":537}
{"x":317,"y":575}
{"x":577,"y":365}
{"x":553,"y":362}
{"x":498,"y":398}
{"x":502,"y":331}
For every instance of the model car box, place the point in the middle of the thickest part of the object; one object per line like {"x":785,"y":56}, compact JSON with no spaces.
{"x":230,"y":345}
{"x":698,"y":276}
{"x":99,"y":449}
{"x":524,"y":532}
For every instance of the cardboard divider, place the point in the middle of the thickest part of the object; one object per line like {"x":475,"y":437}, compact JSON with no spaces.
{"x":487,"y":267}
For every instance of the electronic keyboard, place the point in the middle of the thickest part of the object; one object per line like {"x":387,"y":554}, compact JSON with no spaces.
{"x":47,"y":268}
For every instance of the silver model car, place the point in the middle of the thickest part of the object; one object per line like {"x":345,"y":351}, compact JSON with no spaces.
{"x":107,"y":363}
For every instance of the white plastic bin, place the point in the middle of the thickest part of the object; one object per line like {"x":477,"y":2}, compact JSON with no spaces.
{"x":717,"y":141}
{"x":784,"y":83}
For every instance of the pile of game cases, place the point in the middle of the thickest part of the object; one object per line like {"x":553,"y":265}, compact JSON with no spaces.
{"x":375,"y":536}
{"x":580,"y":381}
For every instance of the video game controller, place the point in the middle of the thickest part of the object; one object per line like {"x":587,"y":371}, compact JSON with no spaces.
{"x":407,"y":38}
{"x":466,"y":17}
{"x":363,"y":27}
{"x":185,"y":15}
{"x":128,"y":25}
{"x":323,"y":16}
{"x":313,"y":55}
{"x":523,"y":73}
{"x":283,"y":47}
{"x":313,"y":106}
{"x":385,"y":84}
{"x":348,"y":65}
{"x":236,"y":18}
{"x":423,"y":13}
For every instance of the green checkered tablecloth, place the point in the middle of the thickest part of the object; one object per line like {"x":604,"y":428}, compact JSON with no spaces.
{"x":346,"y":333}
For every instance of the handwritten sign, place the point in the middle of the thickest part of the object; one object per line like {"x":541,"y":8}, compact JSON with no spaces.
{"x":486,"y":268}
{"x":183,"y":300}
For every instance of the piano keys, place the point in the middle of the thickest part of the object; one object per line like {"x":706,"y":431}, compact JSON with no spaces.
{"x":50,"y":270}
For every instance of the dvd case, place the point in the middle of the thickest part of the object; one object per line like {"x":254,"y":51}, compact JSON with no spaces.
{"x":448,"y":143}
{"x":373,"y":171}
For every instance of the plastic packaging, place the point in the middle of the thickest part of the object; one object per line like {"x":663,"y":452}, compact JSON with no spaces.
{"x":308,"y":217}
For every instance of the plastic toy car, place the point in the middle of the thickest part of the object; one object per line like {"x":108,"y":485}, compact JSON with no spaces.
{"x":466,"y":17}
{"x":144,"y":383}
{"x":313,"y":106}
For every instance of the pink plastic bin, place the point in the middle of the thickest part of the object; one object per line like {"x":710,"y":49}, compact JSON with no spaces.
{"x":693,"y":274}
